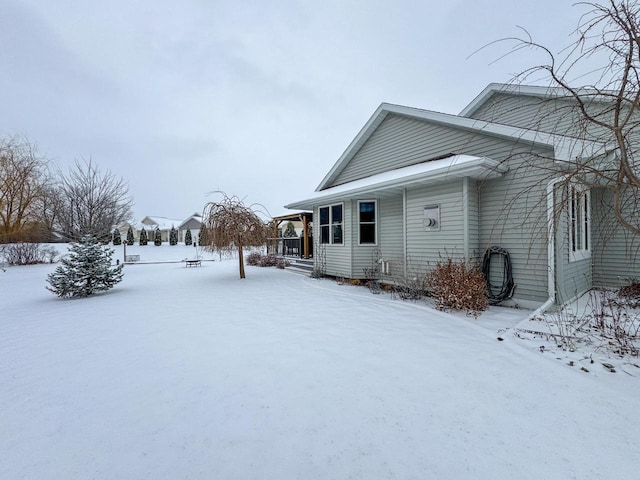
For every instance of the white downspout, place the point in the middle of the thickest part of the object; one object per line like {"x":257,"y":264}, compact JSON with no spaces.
{"x":404,"y":229}
{"x":551,"y":251}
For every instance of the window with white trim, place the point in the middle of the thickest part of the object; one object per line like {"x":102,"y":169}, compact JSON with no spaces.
{"x":331,"y":224}
{"x":367,"y":222}
{"x":579,"y":223}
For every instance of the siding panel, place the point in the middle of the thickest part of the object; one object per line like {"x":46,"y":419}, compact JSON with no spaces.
{"x":402,"y":141}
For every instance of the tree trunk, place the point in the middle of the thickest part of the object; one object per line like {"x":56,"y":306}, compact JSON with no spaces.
{"x":241,"y":261}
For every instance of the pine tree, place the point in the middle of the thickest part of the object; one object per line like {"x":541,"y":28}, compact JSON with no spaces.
{"x":188,"y":240}
{"x":157,"y":238}
{"x":85,"y":270}
{"x":290,"y":230}
{"x":130,"y":238}
{"x":117,"y":239}
{"x":173,"y":236}
{"x":143,"y":236}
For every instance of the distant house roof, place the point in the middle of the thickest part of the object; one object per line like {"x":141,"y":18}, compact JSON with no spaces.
{"x":393,"y":181}
{"x":193,"y":220}
{"x":163,"y":223}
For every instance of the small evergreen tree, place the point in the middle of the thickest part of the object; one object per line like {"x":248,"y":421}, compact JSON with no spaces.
{"x":187,"y":237}
{"x":290,"y":230}
{"x":130,"y":238}
{"x":157,"y":238}
{"x":143,"y":236}
{"x":173,"y":236}
{"x":85,"y":270}
{"x":117,"y":239}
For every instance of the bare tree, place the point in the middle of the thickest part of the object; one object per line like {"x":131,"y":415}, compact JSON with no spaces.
{"x":23,"y":178}
{"x":90,"y":202}
{"x":229,"y":224}
{"x":594,"y":99}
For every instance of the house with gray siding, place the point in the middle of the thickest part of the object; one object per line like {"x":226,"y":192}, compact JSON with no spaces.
{"x":415,"y":187}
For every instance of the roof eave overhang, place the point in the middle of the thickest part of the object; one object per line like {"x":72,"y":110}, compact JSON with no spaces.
{"x":477,"y":168}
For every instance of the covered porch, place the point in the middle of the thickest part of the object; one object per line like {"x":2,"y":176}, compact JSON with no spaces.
{"x":299,"y":246}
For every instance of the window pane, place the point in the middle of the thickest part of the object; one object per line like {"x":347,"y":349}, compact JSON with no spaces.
{"x":367,"y":211}
{"x":337,"y":234}
{"x":336,"y":213}
{"x":368,"y":233}
{"x":324,"y":216}
{"x":574,"y":222}
{"x":586,"y":221}
{"x":324,"y":234}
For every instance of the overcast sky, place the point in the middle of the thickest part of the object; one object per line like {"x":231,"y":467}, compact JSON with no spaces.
{"x":256,"y":98}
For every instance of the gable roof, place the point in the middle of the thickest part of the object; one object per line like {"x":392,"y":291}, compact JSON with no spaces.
{"x":163,"y":223}
{"x":196,"y":217}
{"x":530,"y":91}
{"x":563,"y":146}
{"x":393,"y":181}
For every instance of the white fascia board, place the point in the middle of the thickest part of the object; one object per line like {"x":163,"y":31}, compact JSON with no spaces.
{"x":364,"y":133}
{"x":457,"y":166}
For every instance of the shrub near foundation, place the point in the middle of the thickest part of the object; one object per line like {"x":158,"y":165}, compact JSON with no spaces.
{"x":458,"y":286}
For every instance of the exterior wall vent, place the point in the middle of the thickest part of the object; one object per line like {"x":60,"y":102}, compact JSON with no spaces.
{"x":431,"y":218}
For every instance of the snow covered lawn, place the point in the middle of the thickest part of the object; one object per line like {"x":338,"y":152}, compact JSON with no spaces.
{"x":191,"y":373}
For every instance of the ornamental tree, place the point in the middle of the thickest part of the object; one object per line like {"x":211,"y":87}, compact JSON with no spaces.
{"x":157,"y":237}
{"x":232,"y":225}
{"x":130,"y":238}
{"x":143,"y":236}
{"x":117,"y":239}
{"x":85,"y":270}
{"x":188,"y":239}
{"x":173,"y":236}
{"x":290,"y":230}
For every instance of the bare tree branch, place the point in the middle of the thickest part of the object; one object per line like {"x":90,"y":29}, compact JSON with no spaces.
{"x":90,"y":202}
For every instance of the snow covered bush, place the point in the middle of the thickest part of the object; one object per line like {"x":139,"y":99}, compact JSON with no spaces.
{"x":143,"y":236}
{"x":23,"y":253}
{"x":458,"y":286}
{"x":257,"y":259}
{"x":85,"y":270}
{"x":117,"y":239}
{"x":130,"y":238}
{"x":253,"y":258}
{"x":157,"y":238}
{"x":173,"y":236}
{"x":188,"y":238}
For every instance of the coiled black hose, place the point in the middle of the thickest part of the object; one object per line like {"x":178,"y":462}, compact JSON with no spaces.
{"x":506,"y":289}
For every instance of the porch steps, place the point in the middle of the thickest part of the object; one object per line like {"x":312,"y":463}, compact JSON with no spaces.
{"x":301,"y":265}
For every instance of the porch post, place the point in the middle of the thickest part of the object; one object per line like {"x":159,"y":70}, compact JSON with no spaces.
{"x":305,"y":234}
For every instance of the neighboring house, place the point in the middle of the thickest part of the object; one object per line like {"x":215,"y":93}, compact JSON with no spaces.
{"x":162,"y":223}
{"x":416,"y":186}
{"x":193,"y":223}
{"x":135,"y":228}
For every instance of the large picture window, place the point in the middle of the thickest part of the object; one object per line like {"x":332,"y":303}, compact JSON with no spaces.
{"x":579,"y":223}
{"x":367,"y":222}
{"x":331,"y":224}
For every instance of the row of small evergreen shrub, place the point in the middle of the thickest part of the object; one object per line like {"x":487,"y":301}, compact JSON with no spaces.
{"x":157,"y":237}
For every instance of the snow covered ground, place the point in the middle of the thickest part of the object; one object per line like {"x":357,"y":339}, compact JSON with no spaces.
{"x":191,"y":373}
